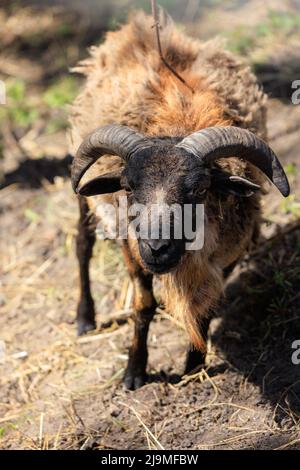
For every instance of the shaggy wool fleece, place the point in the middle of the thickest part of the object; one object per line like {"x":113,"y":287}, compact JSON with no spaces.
{"x":127,"y":83}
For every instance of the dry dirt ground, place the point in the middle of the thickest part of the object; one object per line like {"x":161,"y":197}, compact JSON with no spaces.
{"x":61,"y":392}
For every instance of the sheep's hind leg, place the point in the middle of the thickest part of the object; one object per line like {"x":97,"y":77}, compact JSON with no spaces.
{"x":144,"y":306}
{"x":195,"y":358}
{"x":84,"y":250}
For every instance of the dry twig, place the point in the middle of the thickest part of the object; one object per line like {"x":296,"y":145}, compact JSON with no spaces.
{"x":157,"y":29}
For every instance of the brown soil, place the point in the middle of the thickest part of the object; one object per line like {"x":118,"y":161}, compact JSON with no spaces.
{"x":61,"y":392}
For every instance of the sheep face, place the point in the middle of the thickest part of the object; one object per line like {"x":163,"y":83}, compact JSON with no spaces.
{"x":167,"y":184}
{"x":164,"y":173}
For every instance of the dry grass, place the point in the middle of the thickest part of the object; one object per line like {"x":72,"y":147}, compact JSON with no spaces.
{"x":61,"y":392}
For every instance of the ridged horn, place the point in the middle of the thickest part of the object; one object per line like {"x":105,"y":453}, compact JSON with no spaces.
{"x":112,"y":139}
{"x":213,"y":143}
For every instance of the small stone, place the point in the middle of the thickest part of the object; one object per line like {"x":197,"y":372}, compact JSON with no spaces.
{"x":20,"y":355}
{"x":2,"y":300}
{"x":2,"y":350}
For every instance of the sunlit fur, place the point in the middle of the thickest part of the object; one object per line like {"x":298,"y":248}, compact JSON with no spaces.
{"x":127,"y":83}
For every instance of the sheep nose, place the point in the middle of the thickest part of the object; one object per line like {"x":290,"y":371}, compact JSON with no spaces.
{"x":158,"y":246}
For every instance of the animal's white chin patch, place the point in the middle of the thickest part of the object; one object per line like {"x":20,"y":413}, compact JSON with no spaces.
{"x":159,"y":196}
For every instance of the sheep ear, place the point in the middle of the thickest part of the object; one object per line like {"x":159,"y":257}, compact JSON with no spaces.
{"x":104,"y":184}
{"x":230,"y":184}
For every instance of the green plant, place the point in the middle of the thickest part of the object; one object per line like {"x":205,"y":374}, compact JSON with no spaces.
{"x":283,"y":21}
{"x":19,"y":109}
{"x":61,"y":92}
{"x":290,"y":169}
{"x":56,"y":124}
{"x":31,"y":215}
{"x":291,"y":206}
{"x":240,"y":40}
{"x":243,"y":39}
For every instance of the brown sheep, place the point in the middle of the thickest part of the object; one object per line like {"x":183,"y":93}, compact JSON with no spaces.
{"x":144,"y":113}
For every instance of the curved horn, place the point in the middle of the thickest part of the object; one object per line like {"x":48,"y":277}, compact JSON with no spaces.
{"x":111,"y":139}
{"x":221,"y":142}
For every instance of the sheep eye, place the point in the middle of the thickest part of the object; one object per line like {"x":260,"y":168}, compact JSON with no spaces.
{"x":202,"y":192}
{"x":196,"y":192}
{"x":128,"y":189}
{"x":128,"y":186}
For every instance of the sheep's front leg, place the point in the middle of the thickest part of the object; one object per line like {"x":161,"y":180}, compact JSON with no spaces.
{"x":196,"y":358}
{"x":144,"y":306}
{"x":84,"y":250}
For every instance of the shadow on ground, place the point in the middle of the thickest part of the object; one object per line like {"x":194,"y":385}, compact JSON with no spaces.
{"x":260,"y":322}
{"x":278,"y":72}
{"x":30,"y":173}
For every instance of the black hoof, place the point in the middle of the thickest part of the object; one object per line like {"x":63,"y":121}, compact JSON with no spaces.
{"x":85,"y":326}
{"x":195,"y":361}
{"x":85,"y":316}
{"x":133,"y":380}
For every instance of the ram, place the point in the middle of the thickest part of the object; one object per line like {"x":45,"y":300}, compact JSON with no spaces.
{"x":186,"y":130}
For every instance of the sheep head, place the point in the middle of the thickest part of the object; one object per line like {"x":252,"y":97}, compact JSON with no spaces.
{"x":168,"y":171}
